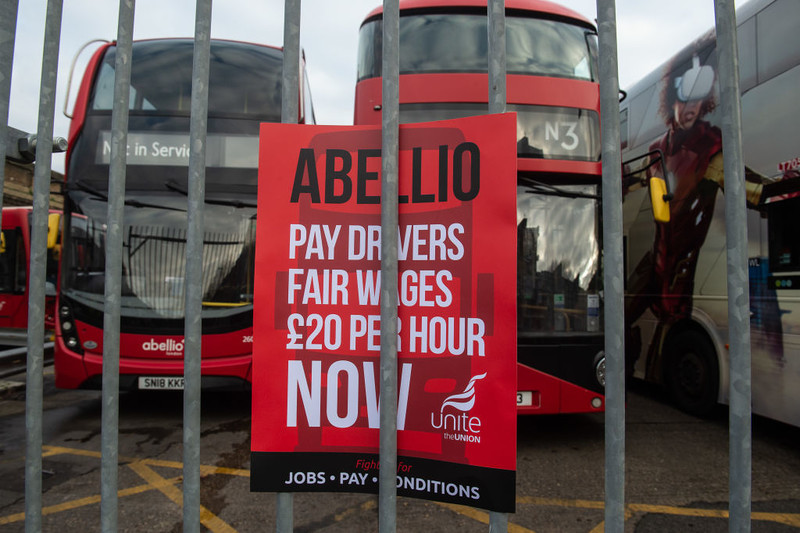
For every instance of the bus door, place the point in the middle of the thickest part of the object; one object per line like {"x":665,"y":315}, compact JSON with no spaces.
{"x":775,"y":306}
{"x":13,"y":281}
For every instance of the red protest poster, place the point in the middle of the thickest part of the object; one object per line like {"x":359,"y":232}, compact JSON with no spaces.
{"x":316,"y":327}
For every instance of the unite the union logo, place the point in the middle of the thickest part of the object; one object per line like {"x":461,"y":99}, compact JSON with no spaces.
{"x":459,"y":426}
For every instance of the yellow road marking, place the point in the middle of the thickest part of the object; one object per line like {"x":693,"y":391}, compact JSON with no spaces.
{"x":204,"y":469}
{"x":599,"y":528}
{"x":156,"y":482}
{"x":791,"y":519}
{"x":561,"y":502}
{"x":214,"y":523}
{"x":82,"y":502}
{"x":57,"y":450}
{"x":480,"y":516}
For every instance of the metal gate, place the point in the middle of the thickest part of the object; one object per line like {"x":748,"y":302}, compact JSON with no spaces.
{"x":740,"y":382}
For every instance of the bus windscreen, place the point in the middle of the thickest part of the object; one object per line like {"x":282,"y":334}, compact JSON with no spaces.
{"x":161,"y":80}
{"x":435,"y":42}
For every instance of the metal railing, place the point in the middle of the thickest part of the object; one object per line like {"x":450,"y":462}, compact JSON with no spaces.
{"x":613,"y":272}
{"x":740,"y":410}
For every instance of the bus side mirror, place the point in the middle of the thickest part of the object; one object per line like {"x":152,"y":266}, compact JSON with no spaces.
{"x":659,"y":199}
{"x":53,"y":222}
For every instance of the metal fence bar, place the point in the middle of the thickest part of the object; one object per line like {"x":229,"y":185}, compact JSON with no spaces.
{"x":496,"y":34}
{"x":38,"y":261}
{"x":284,"y":522}
{"x":613,"y":281}
{"x":291,"y":62}
{"x":113,"y":272}
{"x":198,"y":128}
{"x":390,"y":141}
{"x":740,"y":412}
{"x":497,"y":55}
{"x":8,"y":30}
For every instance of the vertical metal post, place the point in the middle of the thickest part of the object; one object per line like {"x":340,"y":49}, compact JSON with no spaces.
{"x":113,"y":274}
{"x":38,"y":262}
{"x":496,"y":30}
{"x":198,"y":129}
{"x":284,"y":522}
{"x":390,"y":142}
{"x":740,"y":442}
{"x":291,"y":62}
{"x":613,"y":282}
{"x":498,"y":522}
{"x":8,"y":30}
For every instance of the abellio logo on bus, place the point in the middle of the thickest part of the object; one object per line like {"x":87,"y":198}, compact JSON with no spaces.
{"x":460,"y":425}
{"x":170,"y":347}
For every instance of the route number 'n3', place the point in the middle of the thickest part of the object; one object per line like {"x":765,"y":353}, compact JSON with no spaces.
{"x":553,"y":129}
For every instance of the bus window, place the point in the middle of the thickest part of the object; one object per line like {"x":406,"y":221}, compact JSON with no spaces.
{"x":20,"y":263}
{"x":9,"y":265}
{"x":258,"y":88}
{"x":623,"y":129}
{"x":778,"y":47}
{"x":558,"y":268}
{"x":543,"y":132}
{"x":784,"y":240}
{"x":458,"y":43}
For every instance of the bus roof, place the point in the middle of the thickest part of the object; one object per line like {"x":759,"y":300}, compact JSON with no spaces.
{"x":213,"y":40}
{"x":541,"y":6}
{"x":743,"y":14}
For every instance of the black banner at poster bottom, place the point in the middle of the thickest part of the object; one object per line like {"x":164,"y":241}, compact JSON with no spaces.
{"x":487,"y":488}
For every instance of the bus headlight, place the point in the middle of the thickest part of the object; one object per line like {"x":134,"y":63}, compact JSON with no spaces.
{"x":68,"y":330}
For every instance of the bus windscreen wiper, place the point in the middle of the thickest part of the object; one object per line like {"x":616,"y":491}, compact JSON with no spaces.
{"x":537,"y":187}
{"x":85,"y":187}
{"x":173,"y":186}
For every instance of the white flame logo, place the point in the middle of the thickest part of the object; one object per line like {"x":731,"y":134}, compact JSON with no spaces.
{"x":465,"y":400}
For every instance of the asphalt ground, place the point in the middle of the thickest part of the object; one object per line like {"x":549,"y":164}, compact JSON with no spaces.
{"x":676,"y":471}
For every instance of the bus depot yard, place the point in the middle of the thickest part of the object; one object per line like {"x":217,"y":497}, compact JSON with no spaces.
{"x":676,"y":470}
{"x":533,"y":287}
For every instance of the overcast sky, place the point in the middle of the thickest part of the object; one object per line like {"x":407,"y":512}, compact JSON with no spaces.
{"x":648,"y":33}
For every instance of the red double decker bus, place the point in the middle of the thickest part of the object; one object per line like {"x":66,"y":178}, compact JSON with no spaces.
{"x":15,"y":254}
{"x":552,"y":86}
{"x":244,"y":91}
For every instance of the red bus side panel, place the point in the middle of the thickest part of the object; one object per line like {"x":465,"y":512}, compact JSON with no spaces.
{"x":552,"y":395}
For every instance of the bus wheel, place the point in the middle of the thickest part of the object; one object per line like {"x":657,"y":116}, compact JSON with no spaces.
{"x":692,"y":373}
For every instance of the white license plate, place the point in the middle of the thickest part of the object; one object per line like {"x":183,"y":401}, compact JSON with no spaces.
{"x":161,"y":383}
{"x":524,"y":398}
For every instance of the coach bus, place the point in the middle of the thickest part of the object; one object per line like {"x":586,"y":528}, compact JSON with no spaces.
{"x":676,"y":288}
{"x":244,"y":90}
{"x":15,"y":253}
{"x":552,"y":86}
